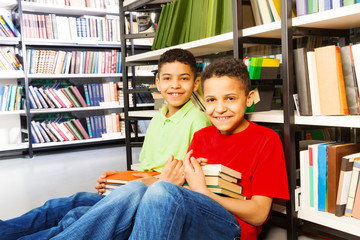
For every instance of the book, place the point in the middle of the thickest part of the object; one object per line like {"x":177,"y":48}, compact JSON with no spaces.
{"x":351,"y":88}
{"x":356,"y":206}
{"x":347,"y":164}
{"x":312,"y":6}
{"x":223,"y":192}
{"x":313,"y":84}
{"x":214,"y":169}
{"x":302,"y":81}
{"x":331,"y":81}
{"x":264,"y":11}
{"x":335,"y":154}
{"x":216,"y":181}
{"x":353,"y":186}
{"x":125,"y":176}
{"x":304,"y":179}
{"x":322,"y":177}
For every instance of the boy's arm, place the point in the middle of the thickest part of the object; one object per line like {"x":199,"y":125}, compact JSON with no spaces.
{"x":254,"y":211}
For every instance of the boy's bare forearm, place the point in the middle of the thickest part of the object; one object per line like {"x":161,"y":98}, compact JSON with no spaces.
{"x":253,"y":211}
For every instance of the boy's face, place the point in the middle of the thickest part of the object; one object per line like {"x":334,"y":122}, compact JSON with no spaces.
{"x":225,"y":103}
{"x":176,"y":84}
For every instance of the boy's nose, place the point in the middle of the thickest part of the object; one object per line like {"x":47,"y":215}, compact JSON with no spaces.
{"x":175,"y":84}
{"x":220,"y":107}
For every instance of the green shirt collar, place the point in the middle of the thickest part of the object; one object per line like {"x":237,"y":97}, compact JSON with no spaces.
{"x":179,"y":115}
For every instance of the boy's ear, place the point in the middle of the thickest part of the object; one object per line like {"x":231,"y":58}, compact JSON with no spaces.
{"x":196,"y":84}
{"x":250,"y":98}
{"x":157,"y":81}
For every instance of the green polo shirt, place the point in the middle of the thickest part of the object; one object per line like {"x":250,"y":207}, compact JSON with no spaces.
{"x":170,"y":136}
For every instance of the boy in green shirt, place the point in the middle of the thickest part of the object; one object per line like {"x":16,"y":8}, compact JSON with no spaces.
{"x":170,"y":131}
{"x":167,"y":139}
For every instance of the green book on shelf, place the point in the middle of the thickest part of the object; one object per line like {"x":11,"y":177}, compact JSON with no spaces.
{"x":255,"y":68}
{"x":313,"y":6}
{"x":349,"y":2}
{"x":74,"y":130}
{"x":204,"y":19}
{"x":212,"y":18}
{"x":196,"y":20}
{"x":72,"y":97}
{"x":180,"y":21}
{"x":160,"y":28}
{"x":169,"y":20}
{"x":226,"y":23}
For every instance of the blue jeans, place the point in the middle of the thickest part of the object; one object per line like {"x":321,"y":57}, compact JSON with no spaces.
{"x":168,"y":211}
{"x":161,"y":211}
{"x":47,"y":216}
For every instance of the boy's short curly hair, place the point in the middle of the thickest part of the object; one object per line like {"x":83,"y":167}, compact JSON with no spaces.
{"x":179,"y":55}
{"x":229,"y":67}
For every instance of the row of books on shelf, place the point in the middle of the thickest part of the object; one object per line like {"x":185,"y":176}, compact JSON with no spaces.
{"x":304,"y":7}
{"x":8,"y":60}
{"x":103,"y":4}
{"x":219,"y":179}
{"x":69,"y":129}
{"x":73,"y":62}
{"x":7,"y":28}
{"x":328,"y":80}
{"x":185,"y":21}
{"x":51,"y":26}
{"x":59,"y":95}
{"x":329,"y":178}
{"x":11,"y":97}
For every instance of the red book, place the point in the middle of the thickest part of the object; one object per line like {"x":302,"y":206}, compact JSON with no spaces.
{"x":56,"y":97}
{"x":54,"y":125}
{"x":81,"y":128}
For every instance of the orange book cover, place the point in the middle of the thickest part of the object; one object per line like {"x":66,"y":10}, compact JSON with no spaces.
{"x":331,"y":81}
{"x":125,"y":176}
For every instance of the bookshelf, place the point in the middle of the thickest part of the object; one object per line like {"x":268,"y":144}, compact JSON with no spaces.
{"x":285,"y":30}
{"x":15,"y":124}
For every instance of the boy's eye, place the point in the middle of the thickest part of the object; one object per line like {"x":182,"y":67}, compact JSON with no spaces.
{"x":230,"y":98}
{"x":166,"y":78}
{"x":184,"y":78}
{"x":209,"y":100}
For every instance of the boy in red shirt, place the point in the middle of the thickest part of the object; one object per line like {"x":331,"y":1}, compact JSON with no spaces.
{"x":233,"y":141}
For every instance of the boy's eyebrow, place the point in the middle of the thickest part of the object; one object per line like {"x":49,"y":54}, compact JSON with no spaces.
{"x":181,"y":74}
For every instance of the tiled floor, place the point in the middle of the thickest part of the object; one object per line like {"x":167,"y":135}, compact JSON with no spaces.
{"x":28,"y":183}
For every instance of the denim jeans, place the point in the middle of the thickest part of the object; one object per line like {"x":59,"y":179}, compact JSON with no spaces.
{"x":161,"y":211}
{"x":47,"y":216}
{"x":168,"y":211}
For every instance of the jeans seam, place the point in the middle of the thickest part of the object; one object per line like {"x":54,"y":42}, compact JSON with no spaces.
{"x":172,"y":223}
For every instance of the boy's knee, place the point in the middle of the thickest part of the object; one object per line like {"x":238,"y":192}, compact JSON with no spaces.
{"x":161,"y":190}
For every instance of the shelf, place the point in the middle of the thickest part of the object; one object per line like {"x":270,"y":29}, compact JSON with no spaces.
{"x":9,"y":40}
{"x":331,"y":121}
{"x":10,"y":147}
{"x":56,"y":76}
{"x":91,"y":42}
{"x":80,"y":109}
{"x":91,"y":140}
{"x":344,"y":224}
{"x":340,"y":18}
{"x":11,"y":74}
{"x":143,"y":113}
{"x":273,"y":116}
{"x":15,"y":112}
{"x":68,"y":10}
{"x":8,"y":4}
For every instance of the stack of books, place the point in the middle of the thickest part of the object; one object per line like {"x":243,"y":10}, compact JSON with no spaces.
{"x":121,"y":178}
{"x":222,"y":180}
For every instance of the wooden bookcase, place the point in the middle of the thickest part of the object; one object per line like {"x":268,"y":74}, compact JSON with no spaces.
{"x":282,"y":32}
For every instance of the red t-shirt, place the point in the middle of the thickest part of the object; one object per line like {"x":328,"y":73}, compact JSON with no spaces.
{"x":256,"y":152}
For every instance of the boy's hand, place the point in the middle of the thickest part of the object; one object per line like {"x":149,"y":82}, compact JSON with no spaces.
{"x":145,"y":178}
{"x":101,"y":181}
{"x":173,"y":171}
{"x":194,"y":174}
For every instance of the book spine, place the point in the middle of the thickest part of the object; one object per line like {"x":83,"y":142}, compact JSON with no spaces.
{"x":37,"y":131}
{"x":55,"y":132}
{"x":88,"y":124}
{"x":42,"y":131}
{"x":48,"y":132}
{"x":81,"y":128}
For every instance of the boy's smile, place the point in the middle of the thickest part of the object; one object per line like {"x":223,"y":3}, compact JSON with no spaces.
{"x":176,"y":84}
{"x":225,"y":103}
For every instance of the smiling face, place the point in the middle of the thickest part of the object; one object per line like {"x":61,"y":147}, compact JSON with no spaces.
{"x":225,"y":103}
{"x":176,"y":84}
